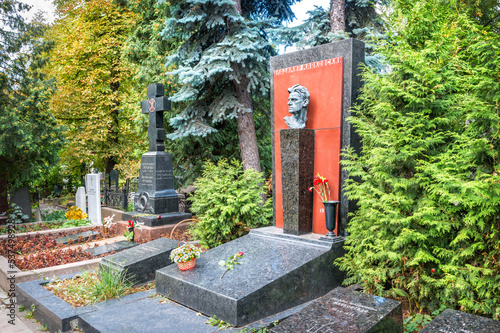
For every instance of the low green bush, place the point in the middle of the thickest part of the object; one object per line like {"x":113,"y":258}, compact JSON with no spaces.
{"x":227,"y":202}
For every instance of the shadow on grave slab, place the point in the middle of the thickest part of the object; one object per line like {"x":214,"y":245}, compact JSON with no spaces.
{"x":277,"y":272}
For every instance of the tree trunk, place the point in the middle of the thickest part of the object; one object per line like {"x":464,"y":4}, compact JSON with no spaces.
{"x":337,"y":15}
{"x":246,"y":128}
{"x":246,"y":125}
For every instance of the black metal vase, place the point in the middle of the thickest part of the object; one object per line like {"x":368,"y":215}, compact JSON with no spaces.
{"x":330,"y":217}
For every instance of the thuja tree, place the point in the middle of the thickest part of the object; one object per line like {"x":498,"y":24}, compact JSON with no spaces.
{"x":427,"y":182}
{"x":222,"y":62}
{"x":30,"y":137}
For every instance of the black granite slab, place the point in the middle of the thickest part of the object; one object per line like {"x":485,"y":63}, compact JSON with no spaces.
{"x":155,"y":220}
{"x":345,"y":311}
{"x":86,"y":236}
{"x":146,"y":315}
{"x":107,"y":248}
{"x":353,"y":53}
{"x":276,"y":273}
{"x":453,"y":321}
{"x":297,"y":174}
{"x":141,"y":262}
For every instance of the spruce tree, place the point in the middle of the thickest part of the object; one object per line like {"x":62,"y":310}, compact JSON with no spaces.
{"x":344,"y":19}
{"x":222,"y":62}
{"x":427,"y":184}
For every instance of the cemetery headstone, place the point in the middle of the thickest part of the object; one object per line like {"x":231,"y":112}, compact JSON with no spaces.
{"x":282,"y":268}
{"x":57,"y":190}
{"x":113,"y":180}
{"x":156,"y":195}
{"x":140,"y":263}
{"x":80,"y":199}
{"x":21,"y":197}
{"x":4,"y":204}
{"x":94,"y":198}
{"x":331,"y":74}
{"x":83,"y":236}
{"x":346,"y":311}
{"x":453,"y":321}
{"x":38,"y":214}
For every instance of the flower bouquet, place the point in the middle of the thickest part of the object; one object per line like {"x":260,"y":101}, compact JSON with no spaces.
{"x":185,"y":256}
{"x":129,"y":232}
{"x":323,"y":189}
{"x":106,"y":224}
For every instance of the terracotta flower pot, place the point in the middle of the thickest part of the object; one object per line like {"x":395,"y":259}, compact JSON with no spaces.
{"x":184,"y":266}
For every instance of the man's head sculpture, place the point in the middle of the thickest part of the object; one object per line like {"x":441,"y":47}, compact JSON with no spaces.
{"x":298,"y":101}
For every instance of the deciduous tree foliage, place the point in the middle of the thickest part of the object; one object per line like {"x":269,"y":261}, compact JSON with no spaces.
{"x":29,"y":135}
{"x":95,"y":97}
{"x":428,"y":223}
{"x":223,"y":60}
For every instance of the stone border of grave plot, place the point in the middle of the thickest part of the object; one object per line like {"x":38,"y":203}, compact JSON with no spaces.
{"x":59,"y":315}
{"x":48,"y":231}
{"x":8,"y":274}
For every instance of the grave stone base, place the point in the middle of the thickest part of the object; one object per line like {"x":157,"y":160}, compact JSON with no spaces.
{"x":345,"y":311}
{"x":277,"y":272}
{"x":145,"y":233}
{"x":453,"y":321}
{"x":158,"y":219}
{"x":140,"y":263}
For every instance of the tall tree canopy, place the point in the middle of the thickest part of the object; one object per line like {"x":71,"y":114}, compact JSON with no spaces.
{"x":222,"y":62}
{"x":344,"y":19}
{"x":96,"y":98}
{"x":428,"y":182}
{"x":30,"y":137}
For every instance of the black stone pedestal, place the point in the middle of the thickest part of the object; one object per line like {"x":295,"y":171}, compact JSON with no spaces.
{"x":156,"y":192}
{"x":153,"y":220}
{"x":297,"y":175}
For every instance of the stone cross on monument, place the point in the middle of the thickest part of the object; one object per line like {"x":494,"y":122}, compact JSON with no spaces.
{"x":154,"y":106}
{"x":156,"y":203}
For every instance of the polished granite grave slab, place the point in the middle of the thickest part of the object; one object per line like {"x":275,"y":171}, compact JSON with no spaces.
{"x":107,"y":248}
{"x":345,"y":311}
{"x":86,"y":235}
{"x":277,"y":272}
{"x":453,"y":321}
{"x":140,"y":263}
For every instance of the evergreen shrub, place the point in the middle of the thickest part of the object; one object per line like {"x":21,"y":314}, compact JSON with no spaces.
{"x":227,"y":202}
{"x":427,"y":182}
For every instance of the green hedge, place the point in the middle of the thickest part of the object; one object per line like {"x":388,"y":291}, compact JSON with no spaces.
{"x":427,"y":183}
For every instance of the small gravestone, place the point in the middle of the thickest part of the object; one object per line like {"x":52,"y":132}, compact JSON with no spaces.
{"x":94,"y":197}
{"x":80,"y":199}
{"x":107,"y":248}
{"x":113,"y":180}
{"x":83,"y":236}
{"x":141,"y":262}
{"x":453,"y":321}
{"x":38,"y":214}
{"x":21,"y":197}
{"x":346,"y":311}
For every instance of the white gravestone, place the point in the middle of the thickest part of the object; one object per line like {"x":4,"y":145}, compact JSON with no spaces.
{"x":81,"y":200}
{"x":94,"y":197}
